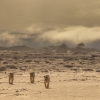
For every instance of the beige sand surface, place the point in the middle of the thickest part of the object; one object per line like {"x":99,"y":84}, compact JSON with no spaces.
{"x":72,"y":76}
{"x":63,"y":86}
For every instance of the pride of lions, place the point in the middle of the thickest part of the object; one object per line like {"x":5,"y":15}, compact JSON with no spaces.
{"x":32,"y":77}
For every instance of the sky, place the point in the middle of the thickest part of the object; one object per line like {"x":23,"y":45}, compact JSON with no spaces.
{"x":49,"y":22}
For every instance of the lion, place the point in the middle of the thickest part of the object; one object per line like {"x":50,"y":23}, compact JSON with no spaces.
{"x":11,"y":78}
{"x":32,"y":77}
{"x":46,"y":81}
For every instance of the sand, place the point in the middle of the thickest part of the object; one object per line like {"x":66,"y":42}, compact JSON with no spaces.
{"x":63,"y":86}
{"x":71,"y":79}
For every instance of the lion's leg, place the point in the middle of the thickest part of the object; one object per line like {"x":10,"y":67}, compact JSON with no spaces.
{"x":48,"y":85}
{"x":12,"y":80}
{"x":45,"y":84}
{"x":31,"y":79}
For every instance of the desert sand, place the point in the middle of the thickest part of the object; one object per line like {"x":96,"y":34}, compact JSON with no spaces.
{"x":74,"y":77}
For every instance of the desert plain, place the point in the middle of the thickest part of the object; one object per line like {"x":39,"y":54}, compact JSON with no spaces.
{"x":73,"y":75}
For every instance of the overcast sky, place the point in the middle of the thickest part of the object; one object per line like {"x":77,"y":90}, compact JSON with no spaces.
{"x":57,"y":16}
{"x":17,"y":14}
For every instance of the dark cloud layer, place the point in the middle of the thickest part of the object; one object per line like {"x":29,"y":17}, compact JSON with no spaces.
{"x":40,"y":35}
{"x":18,"y":14}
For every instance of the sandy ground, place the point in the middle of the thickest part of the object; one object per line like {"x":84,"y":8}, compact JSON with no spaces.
{"x":63,"y":86}
{"x":73,"y":77}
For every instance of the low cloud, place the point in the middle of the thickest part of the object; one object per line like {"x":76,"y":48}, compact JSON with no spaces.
{"x":38,"y":35}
